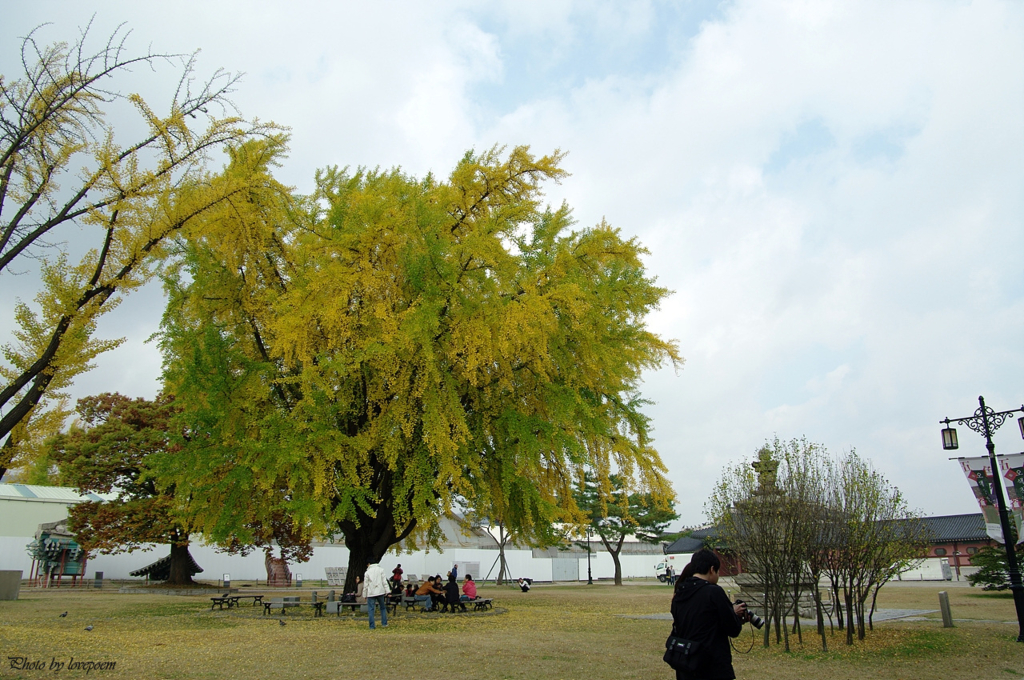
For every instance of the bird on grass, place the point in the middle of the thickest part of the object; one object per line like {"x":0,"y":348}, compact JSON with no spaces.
{"x":281,"y":622}
{"x":64,"y":615}
{"x":88,"y":627}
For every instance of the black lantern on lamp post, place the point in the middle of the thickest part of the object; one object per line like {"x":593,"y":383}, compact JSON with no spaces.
{"x":985,"y":421}
{"x":590,"y":577}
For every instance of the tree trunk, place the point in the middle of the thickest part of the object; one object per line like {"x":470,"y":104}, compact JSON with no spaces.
{"x":838,"y":607}
{"x":848,"y":597}
{"x":181,"y":566}
{"x":796,"y":612}
{"x":369,"y":540}
{"x":503,"y":573}
{"x":779,"y":622}
{"x":871,"y":614}
{"x":820,"y":617}
{"x":368,"y":537}
{"x":785,"y":629}
{"x":6,"y":455}
{"x":614,"y":552}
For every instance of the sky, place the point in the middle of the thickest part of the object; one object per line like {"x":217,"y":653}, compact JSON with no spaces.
{"x":834,"y":191}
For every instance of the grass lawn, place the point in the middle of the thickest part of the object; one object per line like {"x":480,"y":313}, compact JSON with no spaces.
{"x":551,"y":632}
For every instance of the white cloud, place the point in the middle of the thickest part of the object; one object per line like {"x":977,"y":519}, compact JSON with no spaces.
{"x":833,"y":190}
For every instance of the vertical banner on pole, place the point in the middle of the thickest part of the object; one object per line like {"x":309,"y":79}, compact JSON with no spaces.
{"x":1011,"y":467}
{"x":979,"y":474}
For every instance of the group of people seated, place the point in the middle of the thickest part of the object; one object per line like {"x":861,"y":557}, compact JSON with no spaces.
{"x":435,"y":593}
{"x":432,"y":593}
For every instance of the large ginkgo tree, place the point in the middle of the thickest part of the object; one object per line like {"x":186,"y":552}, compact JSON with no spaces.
{"x":389,"y":349}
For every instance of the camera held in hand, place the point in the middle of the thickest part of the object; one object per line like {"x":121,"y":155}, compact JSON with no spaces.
{"x":750,"y":617}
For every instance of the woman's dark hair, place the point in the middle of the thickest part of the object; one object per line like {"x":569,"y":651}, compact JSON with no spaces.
{"x":469,"y":577}
{"x":702,"y":562}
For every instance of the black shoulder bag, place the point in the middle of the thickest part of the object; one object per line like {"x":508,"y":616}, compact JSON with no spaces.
{"x":681,"y":654}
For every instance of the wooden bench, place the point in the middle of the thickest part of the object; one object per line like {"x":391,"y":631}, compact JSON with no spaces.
{"x":481,"y":604}
{"x":337,"y":606}
{"x":255,"y":598}
{"x":225,"y":599}
{"x":282,"y":602}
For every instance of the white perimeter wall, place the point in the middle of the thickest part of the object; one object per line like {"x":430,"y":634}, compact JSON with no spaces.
{"x":521,"y":563}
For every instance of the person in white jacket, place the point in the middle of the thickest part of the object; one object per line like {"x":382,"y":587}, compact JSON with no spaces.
{"x":375,"y":590}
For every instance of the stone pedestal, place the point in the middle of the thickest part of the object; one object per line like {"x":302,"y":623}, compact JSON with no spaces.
{"x":751,"y":592}
{"x":10,"y":584}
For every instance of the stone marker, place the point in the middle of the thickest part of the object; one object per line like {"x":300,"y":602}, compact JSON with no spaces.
{"x":10,"y":584}
{"x":330,"y":596}
{"x":947,"y":617}
{"x":97,"y":581}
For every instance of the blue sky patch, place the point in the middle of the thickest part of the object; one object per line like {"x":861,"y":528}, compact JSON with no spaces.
{"x":810,"y":138}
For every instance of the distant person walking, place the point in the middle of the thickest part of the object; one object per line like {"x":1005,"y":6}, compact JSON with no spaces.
{"x":375,"y":590}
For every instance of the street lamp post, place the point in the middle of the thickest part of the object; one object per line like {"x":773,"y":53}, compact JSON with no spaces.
{"x":590,"y":576}
{"x":985,"y":421}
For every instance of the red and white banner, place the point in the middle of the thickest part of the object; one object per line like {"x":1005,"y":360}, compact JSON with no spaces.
{"x":1011,"y":468}
{"x":979,"y":474}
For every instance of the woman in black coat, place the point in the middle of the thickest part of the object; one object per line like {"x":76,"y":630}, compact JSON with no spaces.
{"x":452,"y":595}
{"x":702,"y":612}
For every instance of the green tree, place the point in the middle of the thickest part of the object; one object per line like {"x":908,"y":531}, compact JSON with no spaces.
{"x":994,"y":570}
{"x":377,"y":350}
{"x":108,"y":452}
{"x":613,"y":513}
{"x":64,"y":168}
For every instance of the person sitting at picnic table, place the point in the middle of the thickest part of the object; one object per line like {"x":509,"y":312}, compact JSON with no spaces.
{"x":469,"y":588}
{"x":410,"y":589}
{"x":451,"y":593}
{"x":396,"y":587}
{"x":524,"y":585}
{"x":427,"y":594}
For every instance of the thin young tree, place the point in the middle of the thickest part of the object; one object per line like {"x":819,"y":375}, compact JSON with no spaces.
{"x":66,"y":168}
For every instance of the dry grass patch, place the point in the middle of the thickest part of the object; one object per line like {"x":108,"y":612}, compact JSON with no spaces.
{"x":551,"y":632}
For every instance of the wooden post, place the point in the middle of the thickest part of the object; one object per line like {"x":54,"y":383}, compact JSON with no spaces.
{"x":947,"y":617}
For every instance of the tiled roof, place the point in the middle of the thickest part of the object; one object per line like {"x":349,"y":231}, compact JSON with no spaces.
{"x":943,"y":529}
{"x":948,"y":528}
{"x":686,"y":544}
{"x":161,"y":569}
